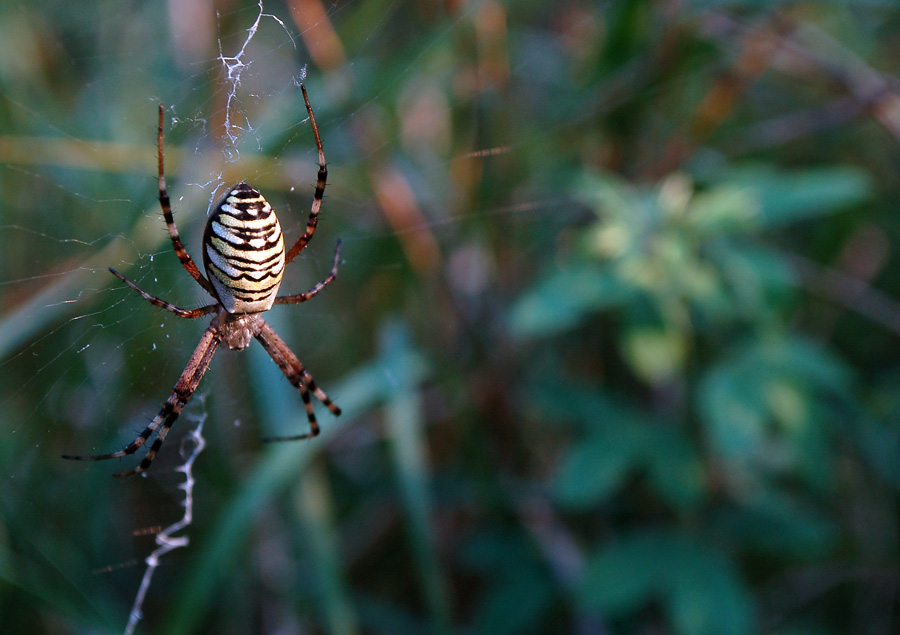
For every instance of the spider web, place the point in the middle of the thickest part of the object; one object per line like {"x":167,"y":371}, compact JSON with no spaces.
{"x":61,"y":303}
{"x":220,"y":126}
{"x":76,"y":340}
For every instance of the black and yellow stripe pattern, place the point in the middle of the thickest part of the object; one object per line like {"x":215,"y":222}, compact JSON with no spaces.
{"x":243,"y":251}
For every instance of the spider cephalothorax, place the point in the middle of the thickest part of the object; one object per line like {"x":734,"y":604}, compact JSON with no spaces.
{"x":237,"y":330}
{"x":244,"y":258}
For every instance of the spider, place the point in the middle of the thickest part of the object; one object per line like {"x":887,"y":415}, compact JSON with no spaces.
{"x":244,"y":258}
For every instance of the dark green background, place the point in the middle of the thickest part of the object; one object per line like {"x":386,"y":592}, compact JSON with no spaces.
{"x":615,"y":330}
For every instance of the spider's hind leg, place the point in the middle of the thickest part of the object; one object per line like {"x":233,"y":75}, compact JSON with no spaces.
{"x":167,"y":415}
{"x":181,"y":394}
{"x":318,"y":392}
{"x":299,"y":377}
{"x":310,"y":415}
{"x":170,"y":411}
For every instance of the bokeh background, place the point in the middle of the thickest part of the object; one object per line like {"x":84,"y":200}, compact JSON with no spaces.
{"x":616,"y":329}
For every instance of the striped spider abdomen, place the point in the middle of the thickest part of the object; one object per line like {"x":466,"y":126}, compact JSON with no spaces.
{"x":243,"y":251}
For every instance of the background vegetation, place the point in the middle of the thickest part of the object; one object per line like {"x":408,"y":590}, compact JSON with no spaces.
{"x":615,"y":332}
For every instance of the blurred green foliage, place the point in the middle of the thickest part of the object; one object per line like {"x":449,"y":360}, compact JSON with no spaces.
{"x":614,"y":335}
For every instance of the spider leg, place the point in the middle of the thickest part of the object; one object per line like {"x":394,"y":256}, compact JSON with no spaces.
{"x":310,"y":415}
{"x":299,"y":377}
{"x":185,"y":313}
{"x":303,"y":297}
{"x":186,"y":261}
{"x":320,"y":188}
{"x":181,"y":394}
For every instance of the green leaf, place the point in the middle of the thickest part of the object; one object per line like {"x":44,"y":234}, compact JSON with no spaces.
{"x":879,"y":444}
{"x":518,"y":594}
{"x":587,"y":405}
{"x":759,"y":279}
{"x":563,"y":299}
{"x":724,"y":209}
{"x":405,"y":429}
{"x":674,"y":469}
{"x":786,"y":197}
{"x":763,"y":407}
{"x":655,"y":354}
{"x":701,"y":590}
{"x":607,"y":194}
{"x":622,"y":442}
{"x":733,"y":412}
{"x":626,"y":574}
{"x":517,"y":603}
{"x":708,"y":596}
{"x":594,"y":470}
{"x":777,"y":524}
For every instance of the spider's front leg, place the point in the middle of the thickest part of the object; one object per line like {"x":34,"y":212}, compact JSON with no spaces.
{"x":321,"y":179}
{"x":186,"y":261}
{"x":303,"y":297}
{"x":181,"y":394}
{"x":168,"y":306}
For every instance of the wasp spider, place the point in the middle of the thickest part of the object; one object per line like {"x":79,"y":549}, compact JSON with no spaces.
{"x":244,"y":257}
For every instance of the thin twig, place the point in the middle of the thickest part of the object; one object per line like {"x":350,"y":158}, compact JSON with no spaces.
{"x":807,"y":50}
{"x":849,"y":291}
{"x":759,"y":46}
{"x":796,"y":125}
